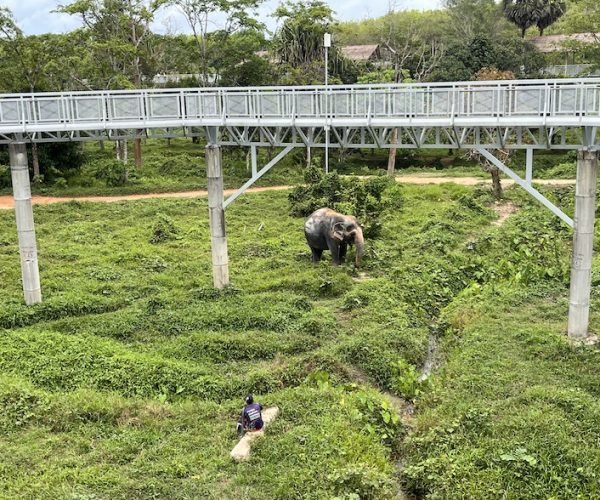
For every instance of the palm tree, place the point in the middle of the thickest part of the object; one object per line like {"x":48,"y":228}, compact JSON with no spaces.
{"x":523,"y":13}
{"x":527,"y":13}
{"x":550,"y":12}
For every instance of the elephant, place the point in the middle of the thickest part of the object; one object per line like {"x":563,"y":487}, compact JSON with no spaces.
{"x":327,"y":229}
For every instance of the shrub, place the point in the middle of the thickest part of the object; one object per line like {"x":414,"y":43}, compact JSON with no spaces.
{"x":561,"y":171}
{"x":164,"y":230}
{"x":406,"y":380}
{"x":379,"y":418}
{"x":113,"y":172}
{"x":361,"y":481}
{"x":180,"y":165}
{"x":5,"y":176}
{"x":363,"y":199}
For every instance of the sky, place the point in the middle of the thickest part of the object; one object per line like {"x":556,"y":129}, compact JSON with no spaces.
{"x":35,"y":16}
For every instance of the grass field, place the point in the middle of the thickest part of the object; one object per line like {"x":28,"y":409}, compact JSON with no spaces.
{"x":180,"y":166}
{"x":126,"y":382}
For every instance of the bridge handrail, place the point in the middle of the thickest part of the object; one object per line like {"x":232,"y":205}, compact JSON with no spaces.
{"x":148,"y":108}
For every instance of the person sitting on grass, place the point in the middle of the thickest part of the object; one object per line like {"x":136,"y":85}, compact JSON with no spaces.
{"x":251,"y":418}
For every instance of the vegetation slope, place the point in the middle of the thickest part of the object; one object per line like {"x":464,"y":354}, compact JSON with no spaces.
{"x":127,"y":381}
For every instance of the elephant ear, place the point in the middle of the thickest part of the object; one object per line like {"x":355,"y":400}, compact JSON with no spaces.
{"x":338,"y":231}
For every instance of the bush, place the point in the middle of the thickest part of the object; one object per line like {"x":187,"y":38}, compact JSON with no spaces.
{"x":561,"y":171}
{"x":181,"y":165}
{"x":5,"y":176}
{"x":363,"y":199}
{"x":58,"y":160}
{"x":361,"y":481}
{"x":112,"y":172}
{"x":164,"y":230}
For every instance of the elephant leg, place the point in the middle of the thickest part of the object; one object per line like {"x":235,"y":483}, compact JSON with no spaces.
{"x":335,"y":252}
{"x":343,"y":251}
{"x":316,"y":254}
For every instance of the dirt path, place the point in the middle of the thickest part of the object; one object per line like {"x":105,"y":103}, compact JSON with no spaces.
{"x":7,"y":202}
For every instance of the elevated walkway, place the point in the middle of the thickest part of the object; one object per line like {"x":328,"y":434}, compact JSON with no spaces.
{"x":522,"y":114}
{"x":547,"y":114}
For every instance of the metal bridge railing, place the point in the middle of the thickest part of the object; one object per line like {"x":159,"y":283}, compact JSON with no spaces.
{"x":285,"y":105}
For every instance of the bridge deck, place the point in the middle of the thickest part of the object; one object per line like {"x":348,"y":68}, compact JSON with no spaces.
{"x":457,"y":106}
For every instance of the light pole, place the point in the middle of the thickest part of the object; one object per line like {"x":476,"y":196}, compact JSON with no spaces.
{"x":326,"y":44}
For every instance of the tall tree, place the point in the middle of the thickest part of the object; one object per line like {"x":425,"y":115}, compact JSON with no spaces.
{"x":471,"y":18}
{"x":29,"y":60}
{"x":523,"y":13}
{"x":298,"y":44}
{"x":119,"y":30}
{"x":550,"y":12}
{"x":528,"y":13}
{"x":238,"y":64}
{"x":203,"y":15}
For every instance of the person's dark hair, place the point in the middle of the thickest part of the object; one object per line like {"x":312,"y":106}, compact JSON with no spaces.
{"x":249,"y":399}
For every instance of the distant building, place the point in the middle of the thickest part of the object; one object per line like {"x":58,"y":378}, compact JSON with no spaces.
{"x":554,"y":43}
{"x":572,"y":70}
{"x":363,"y":53}
{"x":373,"y":53}
{"x":178,"y":77}
{"x":548,"y":44}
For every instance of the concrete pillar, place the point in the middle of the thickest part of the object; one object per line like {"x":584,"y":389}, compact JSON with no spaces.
{"x":220,"y":259}
{"x":25,"y":229}
{"x":583,"y":241}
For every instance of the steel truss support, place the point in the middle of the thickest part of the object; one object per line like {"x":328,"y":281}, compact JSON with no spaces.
{"x":529,"y":166}
{"x":214,"y":173}
{"x":527,"y":187}
{"x":583,"y":241}
{"x":257,"y":175}
{"x":25,"y":228}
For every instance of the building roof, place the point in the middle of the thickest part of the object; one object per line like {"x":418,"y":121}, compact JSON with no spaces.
{"x":361,"y":52}
{"x":553,"y":43}
{"x":358,"y":53}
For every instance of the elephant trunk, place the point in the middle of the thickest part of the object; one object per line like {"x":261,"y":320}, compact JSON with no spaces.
{"x":360,"y":245}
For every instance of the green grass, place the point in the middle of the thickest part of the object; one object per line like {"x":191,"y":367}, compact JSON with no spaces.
{"x":514,"y":412}
{"x":180,"y":166}
{"x":127,"y":380}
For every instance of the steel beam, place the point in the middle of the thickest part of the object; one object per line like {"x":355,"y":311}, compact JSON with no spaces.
{"x":30,"y":273}
{"x":529,"y":166}
{"x":527,"y":187}
{"x":583,"y":241}
{"x":260,"y":173}
{"x":253,"y":160}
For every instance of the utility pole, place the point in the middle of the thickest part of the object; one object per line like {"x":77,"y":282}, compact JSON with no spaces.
{"x":327,"y":44}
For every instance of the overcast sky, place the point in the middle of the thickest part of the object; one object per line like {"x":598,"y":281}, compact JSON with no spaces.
{"x":35,"y":16}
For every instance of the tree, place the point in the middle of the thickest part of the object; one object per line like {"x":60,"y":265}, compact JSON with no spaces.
{"x":523,"y":13}
{"x":29,"y":64}
{"x":299,"y":41}
{"x":472,"y":18}
{"x":504,"y":155}
{"x":119,"y":31}
{"x":202,"y":15}
{"x":298,"y":44}
{"x":582,"y":16}
{"x":464,"y":59}
{"x":527,"y":13}
{"x":550,"y":12}
{"x":238,"y":65}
